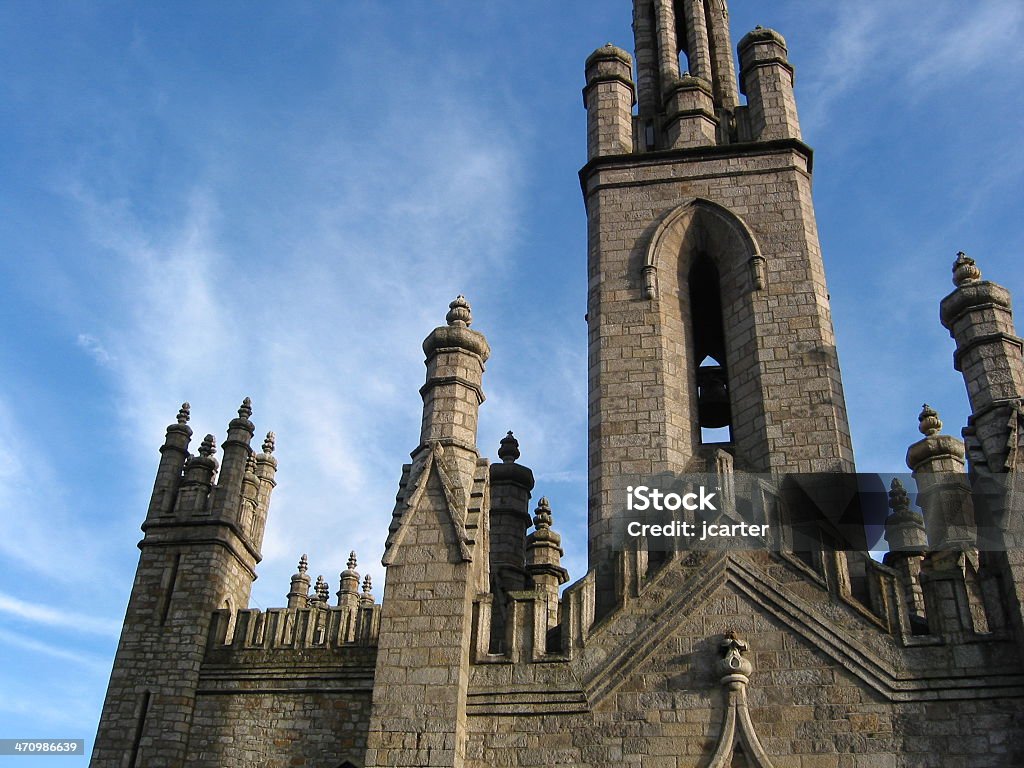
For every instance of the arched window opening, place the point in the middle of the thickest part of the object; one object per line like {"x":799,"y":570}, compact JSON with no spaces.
{"x":684,"y":57}
{"x":714,"y":413}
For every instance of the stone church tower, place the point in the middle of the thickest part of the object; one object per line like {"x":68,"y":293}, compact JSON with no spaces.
{"x":712,"y":356}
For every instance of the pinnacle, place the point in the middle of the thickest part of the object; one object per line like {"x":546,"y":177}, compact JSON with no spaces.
{"x":323,"y":592}
{"x":270,"y":443}
{"x":208,"y":446}
{"x":303,"y":564}
{"x":965,"y":270}
{"x":245,"y":409}
{"x":508,"y":451}
{"x":459,"y":313}
{"x":185,"y":413}
{"x":542,"y":516}
{"x":899,"y":500}
{"x":928,"y":421}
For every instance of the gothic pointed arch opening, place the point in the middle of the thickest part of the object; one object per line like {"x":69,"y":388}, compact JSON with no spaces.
{"x":681,"y":37}
{"x":714,"y":413}
{"x":699,"y":273}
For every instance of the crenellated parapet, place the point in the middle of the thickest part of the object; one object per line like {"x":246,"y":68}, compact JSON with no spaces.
{"x":316,"y":627}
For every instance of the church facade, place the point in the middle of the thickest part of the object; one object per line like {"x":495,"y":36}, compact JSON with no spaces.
{"x":711,"y":355}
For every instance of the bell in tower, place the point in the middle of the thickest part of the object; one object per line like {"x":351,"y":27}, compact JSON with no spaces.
{"x":713,"y":409}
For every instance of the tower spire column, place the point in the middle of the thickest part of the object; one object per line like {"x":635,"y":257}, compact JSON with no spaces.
{"x":453,"y":392}
{"x":437,"y":562}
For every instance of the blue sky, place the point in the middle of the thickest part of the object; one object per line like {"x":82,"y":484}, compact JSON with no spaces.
{"x":205,"y":201}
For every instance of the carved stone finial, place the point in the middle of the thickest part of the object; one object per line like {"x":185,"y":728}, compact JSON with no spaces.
{"x":899,"y":499}
{"x":965,"y":270}
{"x":303,"y":564}
{"x":352,"y":560}
{"x":733,"y":662}
{"x":208,"y":447}
{"x":184,"y":413}
{"x":250,"y":464}
{"x":542,"y":516}
{"x":928,"y":421}
{"x":245,"y":409}
{"x":367,"y":585}
{"x":459,"y":313}
{"x":322,"y":591}
{"x":735,"y":671}
{"x":508,"y":451}
{"x":270,"y":443}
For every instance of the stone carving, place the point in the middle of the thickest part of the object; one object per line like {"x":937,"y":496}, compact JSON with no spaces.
{"x":737,"y":727}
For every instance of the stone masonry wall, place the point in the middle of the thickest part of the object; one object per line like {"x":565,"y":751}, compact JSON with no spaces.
{"x":807,"y":710}
{"x":279,"y":729}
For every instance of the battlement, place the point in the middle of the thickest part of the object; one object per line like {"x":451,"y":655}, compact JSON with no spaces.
{"x":329,"y":628}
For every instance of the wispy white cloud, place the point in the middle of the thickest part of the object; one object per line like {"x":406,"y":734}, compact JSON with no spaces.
{"x":60,"y":545}
{"x":52,"y":617}
{"x":323,"y":331}
{"x":905,"y":52}
{"x":957,"y":40}
{"x":67,"y":653}
{"x":96,"y":350}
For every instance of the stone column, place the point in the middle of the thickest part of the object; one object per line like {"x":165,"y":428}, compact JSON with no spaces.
{"x":608,"y":98}
{"x":435,"y":566}
{"x":544,"y":560}
{"x":904,"y":530}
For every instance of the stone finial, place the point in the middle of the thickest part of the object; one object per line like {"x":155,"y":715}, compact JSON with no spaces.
{"x":352,"y":562}
{"x":208,"y":447}
{"x":322,"y":591}
{"x":735,"y":671}
{"x":965,"y":270}
{"x":733,"y":662}
{"x":269,"y":443}
{"x":542,"y":515}
{"x":928,"y":421}
{"x":184,"y":413}
{"x":459,"y":313}
{"x":303,"y":564}
{"x":245,"y":409}
{"x":508,"y":451}
{"x":250,"y":464}
{"x":367,"y":585}
{"x":899,"y":499}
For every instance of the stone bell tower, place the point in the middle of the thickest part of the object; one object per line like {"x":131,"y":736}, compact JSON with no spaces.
{"x":709,"y":319}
